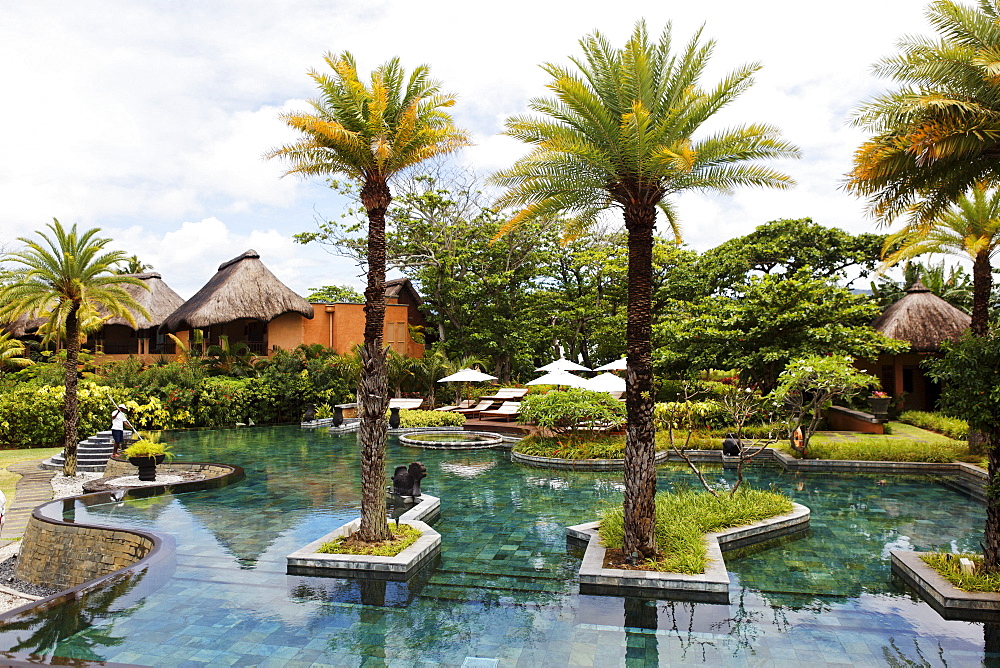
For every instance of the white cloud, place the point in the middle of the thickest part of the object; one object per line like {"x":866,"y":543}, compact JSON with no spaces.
{"x":143,"y":117}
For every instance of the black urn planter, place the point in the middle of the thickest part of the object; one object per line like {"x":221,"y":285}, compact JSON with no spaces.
{"x":879,"y":406}
{"x":393,"y":418}
{"x":146,"y":466}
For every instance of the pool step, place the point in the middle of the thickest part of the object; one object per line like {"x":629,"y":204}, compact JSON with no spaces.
{"x":92,"y":454}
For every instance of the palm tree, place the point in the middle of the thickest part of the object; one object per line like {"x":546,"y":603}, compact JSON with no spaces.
{"x":938,"y":135}
{"x":969,"y":227}
{"x":370,"y":133}
{"x":132,"y":265}
{"x":620,"y":133}
{"x":13,"y":353}
{"x":66,"y":275}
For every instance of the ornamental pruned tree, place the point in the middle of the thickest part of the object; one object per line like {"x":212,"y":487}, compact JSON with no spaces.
{"x":809,"y":385}
{"x":369,"y":133}
{"x":620,"y":132}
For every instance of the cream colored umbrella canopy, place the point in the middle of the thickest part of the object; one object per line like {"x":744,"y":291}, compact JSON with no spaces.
{"x":617,"y":365}
{"x":560,"y":378}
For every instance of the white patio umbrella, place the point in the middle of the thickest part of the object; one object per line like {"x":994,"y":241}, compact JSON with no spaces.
{"x":562,"y":364}
{"x":466,"y":376}
{"x":559,"y":378}
{"x":617,"y":365}
{"x":606,"y":382}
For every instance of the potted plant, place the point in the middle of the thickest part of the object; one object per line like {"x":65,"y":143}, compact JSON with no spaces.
{"x":145,"y":454}
{"x":879,"y":403}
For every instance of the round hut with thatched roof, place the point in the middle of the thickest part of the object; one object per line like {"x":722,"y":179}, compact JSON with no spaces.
{"x":118,"y":337}
{"x":925,"y":321}
{"x":245,"y":302}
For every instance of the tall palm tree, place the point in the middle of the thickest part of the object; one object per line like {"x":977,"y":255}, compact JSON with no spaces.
{"x":938,"y":134}
{"x":65,"y":275}
{"x":620,"y":133}
{"x":969,"y":227}
{"x":370,"y":133}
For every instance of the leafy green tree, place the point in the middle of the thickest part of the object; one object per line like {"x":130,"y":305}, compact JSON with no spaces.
{"x":809,"y":385}
{"x":370,"y":133}
{"x":620,"y":132}
{"x":937,"y":135}
{"x":61,"y":275}
{"x":783,"y":247}
{"x":969,"y":373}
{"x":971,"y":228}
{"x":478,"y":290}
{"x":765,"y":324}
{"x":335,"y":294}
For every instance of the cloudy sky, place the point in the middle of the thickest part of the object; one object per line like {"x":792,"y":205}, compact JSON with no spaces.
{"x":149,"y":119}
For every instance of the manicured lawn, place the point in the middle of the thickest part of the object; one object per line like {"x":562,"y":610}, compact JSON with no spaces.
{"x":906,"y":443}
{"x":9,"y":480}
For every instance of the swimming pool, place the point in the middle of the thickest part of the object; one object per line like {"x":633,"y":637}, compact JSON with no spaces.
{"x":505,"y":587}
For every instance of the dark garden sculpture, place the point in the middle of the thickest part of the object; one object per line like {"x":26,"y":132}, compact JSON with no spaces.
{"x":406,"y":482}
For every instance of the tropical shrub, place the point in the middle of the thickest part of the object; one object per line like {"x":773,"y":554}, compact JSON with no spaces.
{"x":32,"y":415}
{"x":573,"y":412}
{"x":412,"y":419}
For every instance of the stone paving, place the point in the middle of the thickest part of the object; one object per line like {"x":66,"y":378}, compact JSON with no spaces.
{"x":34,"y":488}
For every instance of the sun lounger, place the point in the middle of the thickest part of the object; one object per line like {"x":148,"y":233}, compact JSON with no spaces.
{"x":406,"y":404}
{"x":468,"y":403}
{"x":483,"y":405}
{"x":508,"y":410}
{"x":508,"y":393}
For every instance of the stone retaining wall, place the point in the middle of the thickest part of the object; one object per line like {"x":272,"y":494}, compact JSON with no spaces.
{"x":66,"y":554}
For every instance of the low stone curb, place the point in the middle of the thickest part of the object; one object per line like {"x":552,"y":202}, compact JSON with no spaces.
{"x":578,"y":464}
{"x":712,"y":586}
{"x":307,"y":561}
{"x":948,"y":600}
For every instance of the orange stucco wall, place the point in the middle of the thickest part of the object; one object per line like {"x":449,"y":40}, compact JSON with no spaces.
{"x":286,"y":331}
{"x":342,"y":326}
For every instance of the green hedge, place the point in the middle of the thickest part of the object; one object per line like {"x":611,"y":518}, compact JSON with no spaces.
{"x":411,"y":419}
{"x":949,"y":426}
{"x":32,"y":415}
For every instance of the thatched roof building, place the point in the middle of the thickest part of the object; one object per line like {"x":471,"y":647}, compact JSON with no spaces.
{"x":242,"y":288}
{"x":923,"y":319}
{"x":159,"y":301}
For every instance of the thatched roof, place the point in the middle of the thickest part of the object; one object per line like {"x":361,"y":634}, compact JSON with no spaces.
{"x":242,"y":288}
{"x":23,"y":324}
{"x":923,"y":319}
{"x":159,"y":300}
{"x":401,"y":287}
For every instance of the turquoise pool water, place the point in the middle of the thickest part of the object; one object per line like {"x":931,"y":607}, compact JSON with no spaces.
{"x":505,"y":587}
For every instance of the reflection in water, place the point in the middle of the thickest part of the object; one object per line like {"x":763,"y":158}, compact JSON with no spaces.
{"x":75,"y":623}
{"x":506,"y":583}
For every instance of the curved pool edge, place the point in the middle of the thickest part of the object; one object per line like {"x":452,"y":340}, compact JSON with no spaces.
{"x":150,"y":571}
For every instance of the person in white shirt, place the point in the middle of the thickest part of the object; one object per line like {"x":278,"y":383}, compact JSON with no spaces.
{"x":118,"y":421}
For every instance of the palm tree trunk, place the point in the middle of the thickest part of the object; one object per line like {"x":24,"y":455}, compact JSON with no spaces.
{"x":991,"y":532}
{"x":982,"y":285}
{"x":71,"y":403}
{"x":640,"y":436}
{"x":373,"y":391}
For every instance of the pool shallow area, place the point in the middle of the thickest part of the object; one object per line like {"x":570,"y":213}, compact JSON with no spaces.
{"x":455,"y":440}
{"x":506,"y":586}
